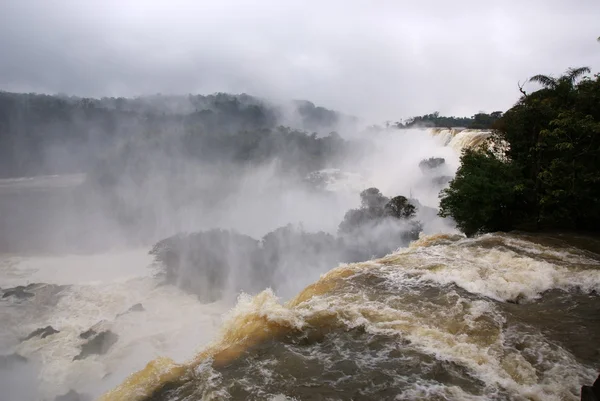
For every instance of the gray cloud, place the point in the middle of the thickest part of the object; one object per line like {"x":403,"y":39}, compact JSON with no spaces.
{"x":378,"y":59}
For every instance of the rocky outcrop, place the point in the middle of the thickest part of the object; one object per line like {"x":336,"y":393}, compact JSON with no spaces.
{"x":42,"y":332}
{"x":44,"y":294}
{"x":72,"y":396}
{"x":98,"y":344}
{"x":135,"y":308}
{"x":591,"y":393}
{"x":19,"y":292}
{"x":87,"y":334}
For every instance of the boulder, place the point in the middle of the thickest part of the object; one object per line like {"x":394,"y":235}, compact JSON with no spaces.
{"x":87,"y":334}
{"x":18,"y":292}
{"x":97,"y":344}
{"x":42,"y":332}
{"x":135,"y":308}
{"x":591,"y":393}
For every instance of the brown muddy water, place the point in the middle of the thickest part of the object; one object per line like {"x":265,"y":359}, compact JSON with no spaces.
{"x":499,"y":317}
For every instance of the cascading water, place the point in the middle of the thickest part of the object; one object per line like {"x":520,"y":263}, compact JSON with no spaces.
{"x":459,"y":139}
{"x":501,"y":316}
{"x":447,"y":318}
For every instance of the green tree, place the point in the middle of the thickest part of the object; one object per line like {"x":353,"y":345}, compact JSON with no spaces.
{"x":400,"y":208}
{"x":549,"y":174}
{"x":483,"y":195}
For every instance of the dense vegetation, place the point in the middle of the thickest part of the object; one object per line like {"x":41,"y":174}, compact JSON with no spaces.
{"x":543,"y":171}
{"x":478,"y":121}
{"x":42,"y":134}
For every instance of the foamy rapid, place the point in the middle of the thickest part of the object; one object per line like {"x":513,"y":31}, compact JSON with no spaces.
{"x":502,"y":267}
{"x":427,"y":321}
{"x":500,"y":316}
{"x":98,"y":291}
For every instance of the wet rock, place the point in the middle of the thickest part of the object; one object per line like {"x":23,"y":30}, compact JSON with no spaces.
{"x":42,"y":332}
{"x":591,"y":393}
{"x":72,"y":396}
{"x":45,"y":294}
{"x":87,"y":334}
{"x":98,"y":344}
{"x":9,"y":361}
{"x":19,"y":292}
{"x":135,"y":308}
{"x":102,"y":325}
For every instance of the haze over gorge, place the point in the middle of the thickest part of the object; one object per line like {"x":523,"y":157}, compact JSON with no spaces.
{"x":258,"y":201}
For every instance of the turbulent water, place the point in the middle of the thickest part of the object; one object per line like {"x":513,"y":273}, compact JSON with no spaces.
{"x":498,"y":317}
{"x":502,"y":316}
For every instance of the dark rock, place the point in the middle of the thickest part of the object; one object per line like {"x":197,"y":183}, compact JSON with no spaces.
{"x":9,"y":361}
{"x":42,"y":333}
{"x":18,"y":292}
{"x":97,"y":345}
{"x":72,"y":396}
{"x":591,"y":393}
{"x":87,"y":334}
{"x":135,"y":308}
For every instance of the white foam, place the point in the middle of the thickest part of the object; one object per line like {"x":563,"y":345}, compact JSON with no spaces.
{"x":103,"y":286}
{"x":469,"y":333}
{"x":499,"y":272}
{"x":173,"y":324}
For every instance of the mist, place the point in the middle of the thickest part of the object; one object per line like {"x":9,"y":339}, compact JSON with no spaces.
{"x":380,"y":61}
{"x":159,"y":160}
{"x":230,"y":194}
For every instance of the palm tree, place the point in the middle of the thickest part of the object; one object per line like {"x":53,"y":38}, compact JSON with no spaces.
{"x":565,"y":81}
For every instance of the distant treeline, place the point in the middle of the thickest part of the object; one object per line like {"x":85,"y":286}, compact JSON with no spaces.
{"x":478,"y":121}
{"x":43,"y":134}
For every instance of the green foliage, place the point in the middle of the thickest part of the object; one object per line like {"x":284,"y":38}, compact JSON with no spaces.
{"x":478,"y":121}
{"x":41,"y":134}
{"x":431,"y":163}
{"x":549,"y":175}
{"x":400,"y":208}
{"x":378,"y":227}
{"x":372,"y":198}
{"x":483,"y":194}
{"x":376,"y":208}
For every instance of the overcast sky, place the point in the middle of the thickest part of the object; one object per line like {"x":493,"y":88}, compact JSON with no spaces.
{"x":377,"y":59}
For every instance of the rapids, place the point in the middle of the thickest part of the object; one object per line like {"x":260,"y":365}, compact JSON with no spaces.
{"x":501,"y":317}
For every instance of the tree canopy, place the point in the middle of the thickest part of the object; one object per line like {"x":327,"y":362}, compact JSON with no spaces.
{"x":43,"y":134}
{"x":478,"y":121}
{"x":549,"y":174}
